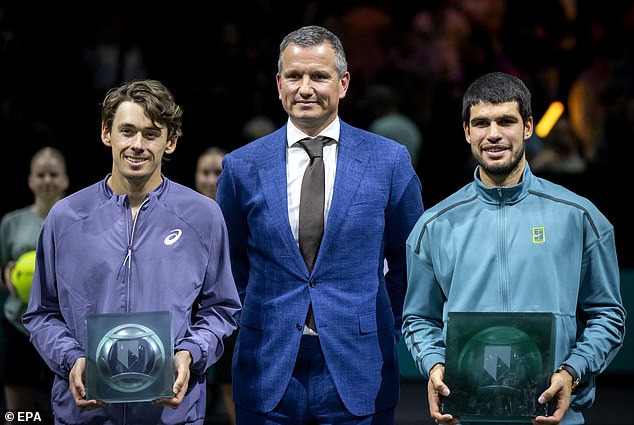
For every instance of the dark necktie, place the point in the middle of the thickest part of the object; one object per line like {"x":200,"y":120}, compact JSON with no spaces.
{"x":311,"y":206}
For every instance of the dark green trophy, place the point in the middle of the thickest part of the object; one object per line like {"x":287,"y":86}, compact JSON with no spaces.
{"x":497,"y":365}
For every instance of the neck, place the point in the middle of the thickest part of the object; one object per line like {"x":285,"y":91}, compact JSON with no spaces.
{"x":502,"y":180}
{"x":42,"y":206}
{"x":135,"y":191}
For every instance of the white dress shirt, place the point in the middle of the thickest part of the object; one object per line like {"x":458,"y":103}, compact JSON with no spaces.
{"x":296,"y":162}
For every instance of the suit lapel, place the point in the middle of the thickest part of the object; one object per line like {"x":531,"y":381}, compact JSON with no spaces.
{"x":272,"y":174}
{"x":352,"y":158}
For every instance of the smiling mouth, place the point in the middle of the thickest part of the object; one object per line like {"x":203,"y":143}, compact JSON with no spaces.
{"x":495,"y":149}
{"x":135,"y":160}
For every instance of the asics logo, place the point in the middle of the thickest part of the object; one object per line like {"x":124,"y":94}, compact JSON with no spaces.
{"x":174,"y":235}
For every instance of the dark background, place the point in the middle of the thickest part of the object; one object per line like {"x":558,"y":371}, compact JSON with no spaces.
{"x":220,"y":60}
{"x":220,"y":63}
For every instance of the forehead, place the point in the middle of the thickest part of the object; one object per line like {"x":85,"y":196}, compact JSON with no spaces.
{"x":46,"y":162}
{"x":295,"y":56}
{"x":133,"y":114}
{"x":210,"y":160}
{"x":492,"y":110}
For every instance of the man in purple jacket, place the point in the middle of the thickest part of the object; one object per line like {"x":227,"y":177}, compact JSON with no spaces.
{"x":133,"y":242}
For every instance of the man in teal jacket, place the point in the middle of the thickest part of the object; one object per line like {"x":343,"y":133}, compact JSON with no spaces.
{"x":512,"y":242}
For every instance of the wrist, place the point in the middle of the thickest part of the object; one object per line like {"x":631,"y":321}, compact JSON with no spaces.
{"x":440,"y":364}
{"x":573,"y":374}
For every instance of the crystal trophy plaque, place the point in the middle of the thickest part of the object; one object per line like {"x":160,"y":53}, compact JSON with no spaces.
{"x":497,"y":365}
{"x":129,"y":356}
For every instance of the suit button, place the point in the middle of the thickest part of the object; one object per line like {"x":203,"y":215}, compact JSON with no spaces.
{"x":299,"y":327}
{"x":312,"y":283}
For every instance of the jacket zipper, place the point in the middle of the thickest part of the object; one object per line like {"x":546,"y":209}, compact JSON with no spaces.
{"x":128,"y":258}
{"x":503,"y":253}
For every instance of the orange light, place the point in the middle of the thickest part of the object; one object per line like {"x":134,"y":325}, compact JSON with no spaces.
{"x":550,"y":118}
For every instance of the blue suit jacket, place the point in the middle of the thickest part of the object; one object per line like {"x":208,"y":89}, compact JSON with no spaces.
{"x":376,"y":202}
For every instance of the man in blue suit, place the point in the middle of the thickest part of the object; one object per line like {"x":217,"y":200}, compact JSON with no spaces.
{"x":342,"y":367}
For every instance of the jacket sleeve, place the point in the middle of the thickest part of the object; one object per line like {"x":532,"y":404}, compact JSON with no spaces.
{"x":229,"y":201}
{"x":43,"y":318}
{"x":219,"y":303}
{"x":423,"y":306}
{"x":404,"y":209}
{"x":600,"y":311}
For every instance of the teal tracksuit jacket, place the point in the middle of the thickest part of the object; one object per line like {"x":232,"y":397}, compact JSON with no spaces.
{"x":532,"y":247}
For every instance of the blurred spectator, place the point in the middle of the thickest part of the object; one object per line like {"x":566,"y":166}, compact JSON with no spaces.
{"x":208,"y":168}
{"x":587,"y":108}
{"x":219,"y":380}
{"x":389,"y":121}
{"x":257,"y":126}
{"x":27,"y":379}
{"x":561,"y":152}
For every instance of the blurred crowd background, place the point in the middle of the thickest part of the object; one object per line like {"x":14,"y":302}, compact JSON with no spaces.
{"x":409,"y":60}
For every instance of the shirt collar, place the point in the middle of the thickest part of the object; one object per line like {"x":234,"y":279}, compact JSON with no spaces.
{"x":294,"y":134}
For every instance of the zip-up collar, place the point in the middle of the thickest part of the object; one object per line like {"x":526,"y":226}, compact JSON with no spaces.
{"x":491,"y":195}
{"x":106,"y":192}
{"x":504,"y":195}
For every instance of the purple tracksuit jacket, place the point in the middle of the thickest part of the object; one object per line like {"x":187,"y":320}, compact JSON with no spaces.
{"x":93,"y":258}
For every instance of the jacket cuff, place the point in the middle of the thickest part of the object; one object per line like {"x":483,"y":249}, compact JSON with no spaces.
{"x":429,"y":362}
{"x":194,"y":351}
{"x":578,"y":363}
{"x":69,"y":361}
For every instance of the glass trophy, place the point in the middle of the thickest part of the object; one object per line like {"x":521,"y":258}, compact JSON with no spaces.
{"x":129,"y":356}
{"x":497,"y":365}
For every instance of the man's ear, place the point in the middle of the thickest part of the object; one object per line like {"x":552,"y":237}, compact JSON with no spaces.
{"x":528,"y":128}
{"x":171,"y":145}
{"x":105,"y":136}
{"x":467,"y":135}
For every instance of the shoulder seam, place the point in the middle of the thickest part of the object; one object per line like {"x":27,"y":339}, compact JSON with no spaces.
{"x":438,"y":214}
{"x":572,"y":204}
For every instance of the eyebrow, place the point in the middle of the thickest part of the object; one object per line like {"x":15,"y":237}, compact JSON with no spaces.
{"x":504,"y":117}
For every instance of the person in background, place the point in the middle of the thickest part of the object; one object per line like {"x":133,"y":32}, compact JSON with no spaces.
{"x":320,"y":324}
{"x":26,"y":376}
{"x":133,"y":242}
{"x":389,"y":120}
{"x":208,"y":168}
{"x":560,"y":152}
{"x":512,"y":242}
{"x":256,"y":127}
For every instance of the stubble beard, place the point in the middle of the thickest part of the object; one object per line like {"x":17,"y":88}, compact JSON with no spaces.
{"x":500,"y":168}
